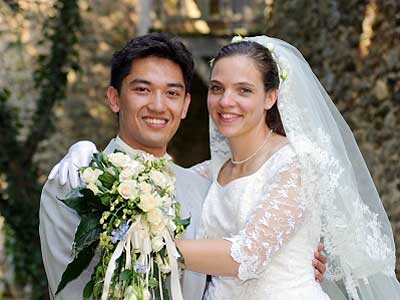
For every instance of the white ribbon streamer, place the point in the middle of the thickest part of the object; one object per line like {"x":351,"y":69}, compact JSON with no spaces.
{"x":173,"y":254}
{"x":138,"y":238}
{"x":110,"y":269}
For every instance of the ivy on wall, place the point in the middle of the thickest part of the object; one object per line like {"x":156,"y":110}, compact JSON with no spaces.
{"x":19,"y":200}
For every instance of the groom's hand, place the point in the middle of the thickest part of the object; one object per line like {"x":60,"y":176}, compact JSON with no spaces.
{"x":79,"y":155}
{"x":319,"y":263}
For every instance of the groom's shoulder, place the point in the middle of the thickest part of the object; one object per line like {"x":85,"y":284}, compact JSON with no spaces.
{"x":189,"y":178}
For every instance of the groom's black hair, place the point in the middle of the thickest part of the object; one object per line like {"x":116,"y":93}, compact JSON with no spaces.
{"x":153,"y":44}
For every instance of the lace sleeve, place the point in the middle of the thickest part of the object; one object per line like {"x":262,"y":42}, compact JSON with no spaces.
{"x":202,"y":169}
{"x":270,"y":225}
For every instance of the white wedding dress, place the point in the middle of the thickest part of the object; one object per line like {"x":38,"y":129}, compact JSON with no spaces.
{"x":274,"y":231}
{"x":317,"y":187}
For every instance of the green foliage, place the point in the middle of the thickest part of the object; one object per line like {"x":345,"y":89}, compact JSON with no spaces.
{"x":76,"y":267}
{"x":19,"y":202}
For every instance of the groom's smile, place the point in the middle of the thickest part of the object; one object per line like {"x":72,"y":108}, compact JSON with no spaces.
{"x":151,"y":103}
{"x":155,"y":122}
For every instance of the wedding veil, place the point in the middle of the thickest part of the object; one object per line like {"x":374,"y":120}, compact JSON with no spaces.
{"x":355,"y":230}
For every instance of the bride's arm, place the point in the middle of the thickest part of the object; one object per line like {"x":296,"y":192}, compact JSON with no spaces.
{"x":208,"y":256}
{"x":269,"y":227}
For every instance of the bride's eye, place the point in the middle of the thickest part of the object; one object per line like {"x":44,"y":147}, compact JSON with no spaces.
{"x":215,"y":88}
{"x":245,"y":91}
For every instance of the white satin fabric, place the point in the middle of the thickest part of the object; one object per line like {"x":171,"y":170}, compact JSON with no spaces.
{"x":58,"y":224}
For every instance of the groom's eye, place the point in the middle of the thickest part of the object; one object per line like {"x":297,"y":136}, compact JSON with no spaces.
{"x":173,"y":93}
{"x":141,"y":89}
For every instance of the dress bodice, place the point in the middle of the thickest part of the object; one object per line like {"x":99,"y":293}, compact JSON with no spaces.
{"x":273,"y":229}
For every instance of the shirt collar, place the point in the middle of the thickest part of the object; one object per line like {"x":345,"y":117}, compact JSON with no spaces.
{"x":132,"y":151}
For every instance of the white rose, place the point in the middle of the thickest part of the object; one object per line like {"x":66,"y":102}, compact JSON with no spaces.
{"x":159,"y":178}
{"x":90,"y":175}
{"x":119,"y":159}
{"x":127,"y":189}
{"x":157,"y":228}
{"x":144,"y":187}
{"x":132,"y":169}
{"x":93,"y":187}
{"x":155,"y":216}
{"x":126,"y":174}
{"x":157,"y":243}
{"x":148,"y":202}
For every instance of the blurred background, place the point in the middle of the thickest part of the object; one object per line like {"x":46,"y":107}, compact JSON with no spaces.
{"x":54,"y":69}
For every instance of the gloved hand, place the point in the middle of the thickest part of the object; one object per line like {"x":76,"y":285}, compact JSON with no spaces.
{"x":79,"y":155}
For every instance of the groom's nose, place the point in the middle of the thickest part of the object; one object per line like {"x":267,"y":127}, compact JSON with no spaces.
{"x":157,"y":103}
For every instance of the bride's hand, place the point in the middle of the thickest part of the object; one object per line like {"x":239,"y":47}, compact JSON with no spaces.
{"x":79,"y":155}
{"x":319,"y":263}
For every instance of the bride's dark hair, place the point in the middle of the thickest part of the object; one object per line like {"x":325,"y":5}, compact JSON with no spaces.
{"x":266,"y":65}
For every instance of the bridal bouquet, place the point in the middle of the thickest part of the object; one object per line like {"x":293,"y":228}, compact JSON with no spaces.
{"x":128,"y":209}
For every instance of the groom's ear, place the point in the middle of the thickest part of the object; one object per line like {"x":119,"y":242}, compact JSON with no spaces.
{"x":270,"y":98}
{"x":113,"y":99}
{"x":185,"y":105}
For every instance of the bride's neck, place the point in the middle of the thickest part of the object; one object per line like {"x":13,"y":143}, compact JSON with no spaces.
{"x":247,"y":144}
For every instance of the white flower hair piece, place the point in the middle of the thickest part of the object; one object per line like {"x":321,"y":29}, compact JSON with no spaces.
{"x":236,"y":39}
{"x":211,"y":62}
{"x":282,"y":71}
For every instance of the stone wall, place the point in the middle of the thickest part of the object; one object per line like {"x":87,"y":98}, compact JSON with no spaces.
{"x":353,"y":47}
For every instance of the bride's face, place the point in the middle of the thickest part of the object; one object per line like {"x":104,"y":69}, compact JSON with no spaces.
{"x":237,"y":101}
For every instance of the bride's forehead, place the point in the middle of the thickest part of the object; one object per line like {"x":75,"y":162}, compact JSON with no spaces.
{"x":235,"y":68}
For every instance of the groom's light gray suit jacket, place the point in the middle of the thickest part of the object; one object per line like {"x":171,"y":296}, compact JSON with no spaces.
{"x":58,"y":224}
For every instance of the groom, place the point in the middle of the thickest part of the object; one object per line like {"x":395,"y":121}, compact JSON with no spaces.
{"x":150,"y":92}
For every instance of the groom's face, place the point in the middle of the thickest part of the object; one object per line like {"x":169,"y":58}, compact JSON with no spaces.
{"x":151,"y":103}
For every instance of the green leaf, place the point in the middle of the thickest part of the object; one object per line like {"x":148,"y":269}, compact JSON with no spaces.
{"x":78,"y":204}
{"x":93,"y":201}
{"x":87,"y":193}
{"x":125,"y":275}
{"x":107,"y":179}
{"x":106,"y":199}
{"x":184,"y":222}
{"x":88,"y":290}
{"x":87,"y":232}
{"x":76,"y":267}
{"x":98,"y":159}
{"x":83,"y":201}
{"x":153,"y":282}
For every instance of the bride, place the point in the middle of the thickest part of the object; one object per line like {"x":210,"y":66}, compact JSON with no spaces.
{"x":285,"y":171}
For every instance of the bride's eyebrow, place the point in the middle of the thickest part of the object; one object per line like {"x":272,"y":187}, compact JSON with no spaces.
{"x":214,"y":81}
{"x":245,"y":83}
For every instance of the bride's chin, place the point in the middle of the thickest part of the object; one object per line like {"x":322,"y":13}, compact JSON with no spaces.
{"x":227,"y":133}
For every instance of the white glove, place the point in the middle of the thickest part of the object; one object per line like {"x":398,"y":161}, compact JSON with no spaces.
{"x":79,"y":155}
